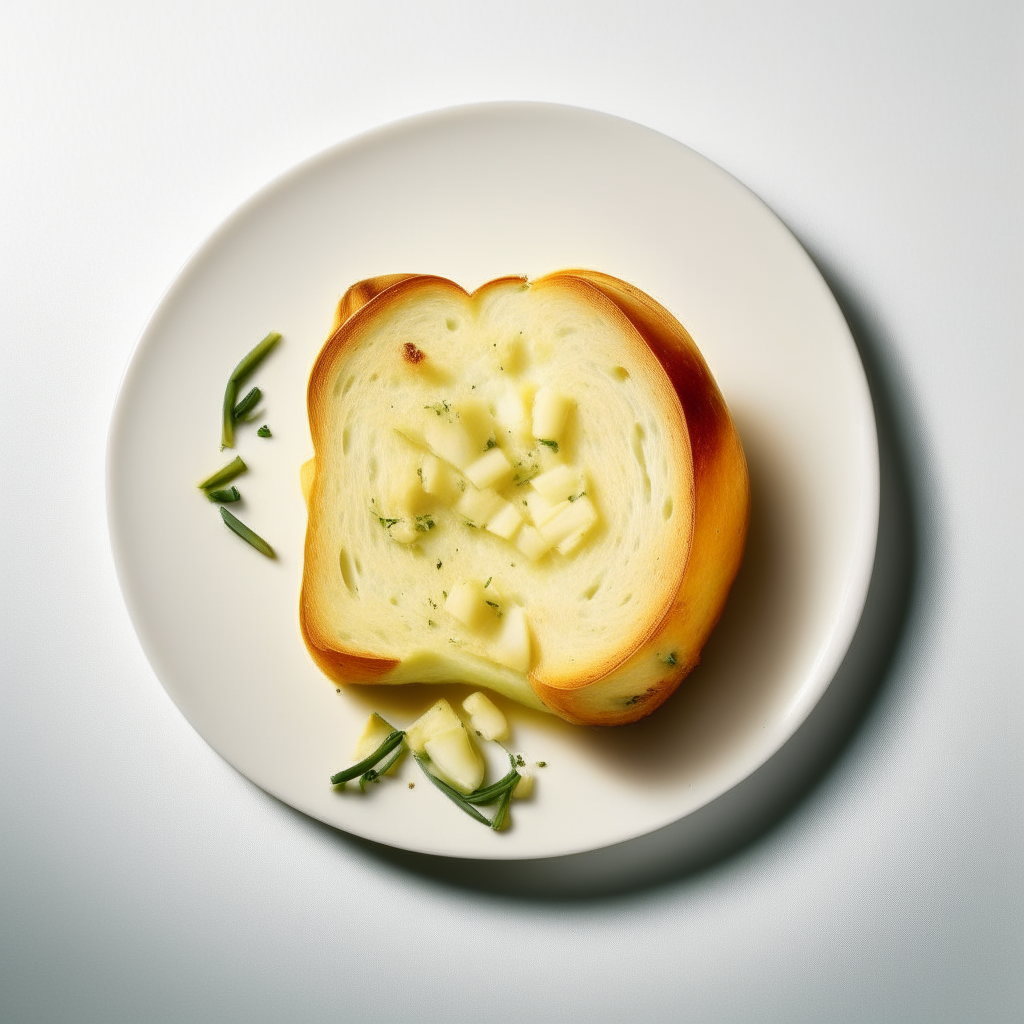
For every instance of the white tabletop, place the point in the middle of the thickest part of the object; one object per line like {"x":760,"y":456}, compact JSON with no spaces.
{"x":871,"y":871}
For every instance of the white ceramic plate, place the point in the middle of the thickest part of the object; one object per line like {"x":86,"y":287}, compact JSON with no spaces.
{"x":472,"y":194}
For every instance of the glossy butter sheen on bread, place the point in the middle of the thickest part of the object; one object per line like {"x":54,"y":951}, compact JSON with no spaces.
{"x":535,"y":488}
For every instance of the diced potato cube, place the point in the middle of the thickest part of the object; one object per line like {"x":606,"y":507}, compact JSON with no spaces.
{"x":512,"y":645}
{"x":550,"y":409}
{"x":452,"y":442}
{"x":558,"y":484}
{"x":572,"y":542}
{"x":485,"y":718}
{"x":489,"y":469}
{"x":541,"y":510}
{"x":505,"y":521}
{"x":513,"y":413}
{"x":577,"y":515}
{"x":436,"y":719}
{"x":531,"y":543}
{"x":439,"y":479}
{"x":375,"y":732}
{"x":406,"y":491}
{"x":478,"y":506}
{"x":524,"y":787}
{"x":475,"y":419}
{"x":455,"y":758}
{"x":467,"y":603}
{"x":510,"y":354}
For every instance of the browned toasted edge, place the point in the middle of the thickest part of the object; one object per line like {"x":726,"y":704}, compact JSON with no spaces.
{"x":720,"y":519}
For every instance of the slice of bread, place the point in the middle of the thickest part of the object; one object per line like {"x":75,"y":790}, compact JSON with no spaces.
{"x":535,"y":488}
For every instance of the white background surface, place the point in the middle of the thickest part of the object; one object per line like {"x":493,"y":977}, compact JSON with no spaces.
{"x":142,"y":879}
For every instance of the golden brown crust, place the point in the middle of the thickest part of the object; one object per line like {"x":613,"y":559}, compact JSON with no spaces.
{"x":646,"y":669}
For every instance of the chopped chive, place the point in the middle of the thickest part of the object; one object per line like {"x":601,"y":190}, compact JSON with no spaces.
{"x":223,"y":476}
{"x":241,"y":371}
{"x":488,"y":583}
{"x":393,"y":740}
{"x":247,"y":404}
{"x":374,"y":774}
{"x":498,"y":822}
{"x":263,"y":431}
{"x":224,"y":496}
{"x":548,"y":443}
{"x":495,"y":791}
{"x":246,"y":534}
{"x":453,"y":794}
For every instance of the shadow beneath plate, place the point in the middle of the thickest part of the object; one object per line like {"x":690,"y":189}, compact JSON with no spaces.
{"x":749,"y":811}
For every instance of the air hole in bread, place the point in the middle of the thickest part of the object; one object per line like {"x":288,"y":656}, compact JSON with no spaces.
{"x":342,"y":389}
{"x":346,"y":436}
{"x":638,"y":451}
{"x":666,"y":509}
{"x":626,"y":599}
{"x":373,"y":470}
{"x":619,"y":373}
{"x":451,"y":324}
{"x":347,"y":574}
{"x":591,"y":590}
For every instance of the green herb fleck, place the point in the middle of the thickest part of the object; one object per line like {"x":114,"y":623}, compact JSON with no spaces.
{"x":440,"y":408}
{"x":488,"y":583}
{"x":520,"y":762}
{"x":223,"y":496}
{"x":238,"y":376}
{"x":246,"y":534}
{"x":669,"y":659}
{"x":247,"y":404}
{"x":431,"y":623}
{"x":491,"y":443}
{"x":542,"y":764}
{"x":424,"y":523}
{"x":223,"y":476}
{"x":492,"y":604}
{"x":386,"y":521}
{"x":439,"y":566}
{"x":264,"y":431}
{"x":548,"y":443}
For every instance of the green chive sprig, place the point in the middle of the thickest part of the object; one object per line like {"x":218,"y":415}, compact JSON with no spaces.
{"x":263,"y":431}
{"x":500,"y":792}
{"x":237,"y":378}
{"x":224,"y":476}
{"x":246,"y":534}
{"x":392,"y":741}
{"x":247,"y":404}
